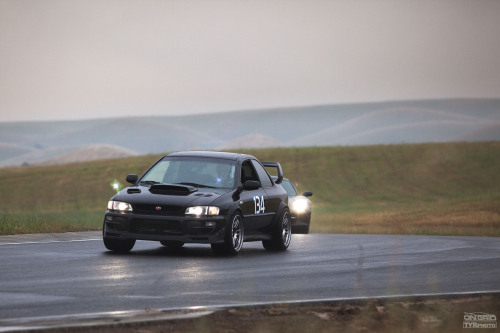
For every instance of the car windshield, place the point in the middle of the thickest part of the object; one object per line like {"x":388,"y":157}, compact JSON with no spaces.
{"x":289,"y":188}
{"x":199,"y":172}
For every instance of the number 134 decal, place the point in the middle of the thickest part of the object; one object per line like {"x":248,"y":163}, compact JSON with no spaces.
{"x":259,"y":204}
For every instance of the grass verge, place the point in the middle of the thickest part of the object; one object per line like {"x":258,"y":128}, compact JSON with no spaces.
{"x":413,"y":314}
{"x":476,"y":218}
{"x":28,"y":223}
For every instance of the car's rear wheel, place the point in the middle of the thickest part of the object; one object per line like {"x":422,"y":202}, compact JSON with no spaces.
{"x":119,"y":245}
{"x":172,"y":244}
{"x":282,"y":234}
{"x":233,"y":240}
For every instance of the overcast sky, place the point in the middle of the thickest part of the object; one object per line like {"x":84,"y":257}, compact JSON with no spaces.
{"x":90,"y":59}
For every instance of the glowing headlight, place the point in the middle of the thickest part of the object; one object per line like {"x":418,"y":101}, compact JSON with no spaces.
{"x":299,"y":205}
{"x":120,"y":206}
{"x":202,"y":210}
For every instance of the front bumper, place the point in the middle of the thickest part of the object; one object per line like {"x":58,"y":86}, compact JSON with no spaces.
{"x":187,"y":229}
{"x":300,"y":223}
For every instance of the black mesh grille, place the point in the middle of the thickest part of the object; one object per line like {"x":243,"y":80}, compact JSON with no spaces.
{"x":156,"y":227}
{"x":163,"y":210}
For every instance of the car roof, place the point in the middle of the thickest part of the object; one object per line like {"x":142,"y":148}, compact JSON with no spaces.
{"x":211,"y":154}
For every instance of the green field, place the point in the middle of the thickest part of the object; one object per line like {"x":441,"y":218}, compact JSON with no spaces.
{"x":432,"y":189}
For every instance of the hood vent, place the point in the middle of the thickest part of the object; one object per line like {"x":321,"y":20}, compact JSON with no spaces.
{"x":133,"y":190}
{"x":203,"y":195}
{"x":169,"y":189}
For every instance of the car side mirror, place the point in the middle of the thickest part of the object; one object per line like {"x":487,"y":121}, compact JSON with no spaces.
{"x":307,"y":194}
{"x":132,"y":179}
{"x":251,"y":185}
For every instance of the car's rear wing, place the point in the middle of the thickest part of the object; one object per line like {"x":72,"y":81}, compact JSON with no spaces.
{"x":278,"y":167}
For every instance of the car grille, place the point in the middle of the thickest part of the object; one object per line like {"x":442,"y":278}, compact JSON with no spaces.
{"x":156,"y":227}
{"x":162,"y":210}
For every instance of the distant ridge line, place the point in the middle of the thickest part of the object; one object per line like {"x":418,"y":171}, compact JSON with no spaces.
{"x":391,"y":122}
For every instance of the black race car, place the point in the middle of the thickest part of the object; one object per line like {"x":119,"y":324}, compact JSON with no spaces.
{"x":221,"y":199}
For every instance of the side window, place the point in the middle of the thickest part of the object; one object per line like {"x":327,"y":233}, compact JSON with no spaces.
{"x":248,"y":172}
{"x":265,"y":180}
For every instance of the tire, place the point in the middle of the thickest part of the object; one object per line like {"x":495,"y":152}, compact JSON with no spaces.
{"x":282,"y":234}
{"x":233,"y":239}
{"x":172,"y":244}
{"x":119,"y":245}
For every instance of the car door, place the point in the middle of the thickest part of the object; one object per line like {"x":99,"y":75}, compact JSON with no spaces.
{"x":253,"y":202}
{"x":274,"y":195}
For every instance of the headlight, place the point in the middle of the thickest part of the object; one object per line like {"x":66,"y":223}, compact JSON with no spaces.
{"x":202,"y":211}
{"x":299,"y":205}
{"x":120,"y":206}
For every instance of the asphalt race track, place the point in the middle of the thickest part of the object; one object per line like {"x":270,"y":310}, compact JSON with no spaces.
{"x":76,"y":276}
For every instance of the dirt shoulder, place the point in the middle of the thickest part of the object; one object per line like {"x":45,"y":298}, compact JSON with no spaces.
{"x":415,"y":314}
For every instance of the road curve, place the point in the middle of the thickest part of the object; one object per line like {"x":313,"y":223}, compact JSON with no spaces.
{"x":75,"y":276}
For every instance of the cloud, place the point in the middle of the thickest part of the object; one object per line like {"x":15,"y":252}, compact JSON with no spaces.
{"x":81,"y":59}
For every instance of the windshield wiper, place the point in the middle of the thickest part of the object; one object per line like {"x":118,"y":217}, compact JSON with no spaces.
{"x":195,"y":184}
{"x":149,"y":182}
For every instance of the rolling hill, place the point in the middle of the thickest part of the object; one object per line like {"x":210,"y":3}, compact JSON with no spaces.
{"x":324,"y":125}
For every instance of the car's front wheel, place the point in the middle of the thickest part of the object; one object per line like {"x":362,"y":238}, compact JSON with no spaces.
{"x":282,"y":234}
{"x":119,"y":245}
{"x":233,"y":240}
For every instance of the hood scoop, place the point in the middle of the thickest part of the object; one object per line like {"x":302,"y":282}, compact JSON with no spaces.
{"x":133,"y":190}
{"x":170,"y":189}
